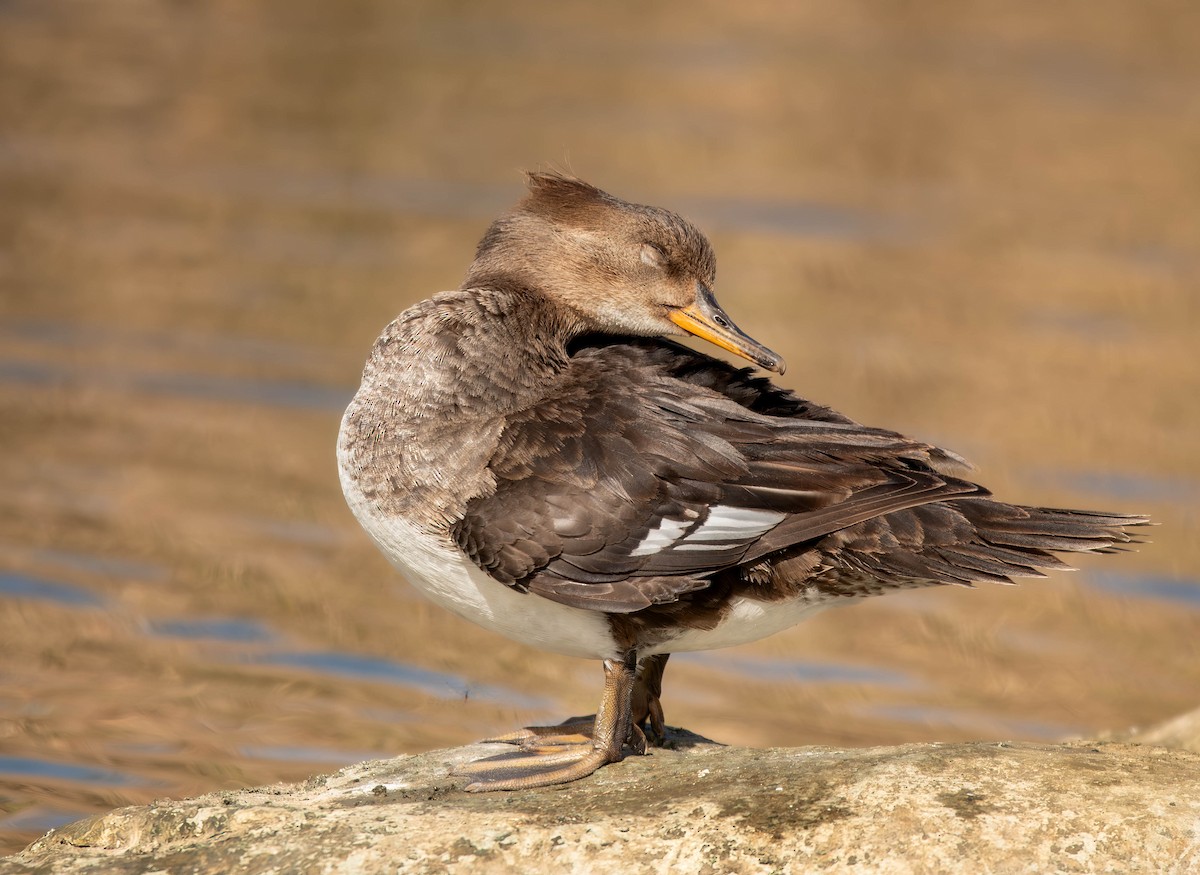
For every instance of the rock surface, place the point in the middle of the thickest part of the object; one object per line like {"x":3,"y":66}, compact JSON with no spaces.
{"x":702,"y":808}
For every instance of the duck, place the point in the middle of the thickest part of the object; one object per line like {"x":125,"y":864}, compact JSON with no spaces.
{"x":537,"y":452}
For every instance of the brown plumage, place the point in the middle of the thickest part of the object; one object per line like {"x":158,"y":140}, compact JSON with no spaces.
{"x":539,"y":459}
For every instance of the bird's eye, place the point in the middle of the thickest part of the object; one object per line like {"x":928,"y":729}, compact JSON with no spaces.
{"x":653,"y":256}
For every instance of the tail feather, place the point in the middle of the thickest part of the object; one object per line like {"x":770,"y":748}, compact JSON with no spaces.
{"x":1014,"y":535}
{"x":968,"y":540}
{"x":1078,"y":530}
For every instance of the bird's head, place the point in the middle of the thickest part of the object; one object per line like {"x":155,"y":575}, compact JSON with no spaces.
{"x":618,"y":267}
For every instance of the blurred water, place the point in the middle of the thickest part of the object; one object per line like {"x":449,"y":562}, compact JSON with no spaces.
{"x":233,"y":631}
{"x":24,"y":767}
{"x":1185,"y":593}
{"x":797,"y":670}
{"x":202,"y":386}
{"x":357,"y":667}
{"x":975,"y":227}
{"x":20,"y":586}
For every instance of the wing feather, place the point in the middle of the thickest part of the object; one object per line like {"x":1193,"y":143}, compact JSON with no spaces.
{"x":645,"y":473}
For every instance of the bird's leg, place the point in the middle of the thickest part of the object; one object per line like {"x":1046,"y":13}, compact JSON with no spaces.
{"x":647,"y":698}
{"x":542,"y":767}
{"x":647,"y":716}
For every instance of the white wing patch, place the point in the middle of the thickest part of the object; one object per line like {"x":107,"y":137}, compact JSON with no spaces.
{"x":724,"y":526}
{"x":735,"y":524}
{"x":661,"y":538}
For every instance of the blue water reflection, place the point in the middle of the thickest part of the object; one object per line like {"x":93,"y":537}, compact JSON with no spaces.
{"x":232,"y":630}
{"x":370,"y":668}
{"x":796,"y":670}
{"x":23,"y":586}
{"x":280,"y":393}
{"x":1147,"y":586}
{"x":30,"y":767}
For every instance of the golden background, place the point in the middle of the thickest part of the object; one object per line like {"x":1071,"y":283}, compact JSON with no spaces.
{"x":978,"y":223}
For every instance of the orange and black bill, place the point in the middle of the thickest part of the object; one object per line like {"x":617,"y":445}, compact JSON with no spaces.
{"x":706,"y":320}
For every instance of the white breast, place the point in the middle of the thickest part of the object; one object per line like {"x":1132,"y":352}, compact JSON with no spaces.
{"x":747,"y":620}
{"x":444,"y":574}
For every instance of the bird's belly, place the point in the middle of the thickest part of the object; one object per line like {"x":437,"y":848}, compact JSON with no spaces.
{"x":746,"y":620}
{"x":446,"y":576}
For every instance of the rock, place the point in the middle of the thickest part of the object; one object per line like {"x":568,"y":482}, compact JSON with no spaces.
{"x":705,"y":808}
